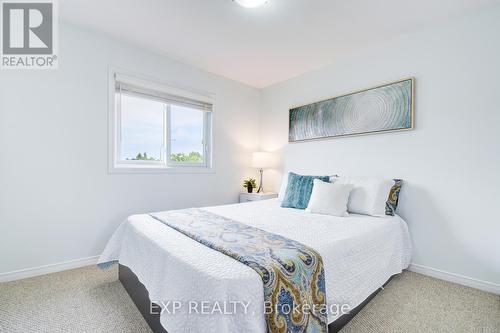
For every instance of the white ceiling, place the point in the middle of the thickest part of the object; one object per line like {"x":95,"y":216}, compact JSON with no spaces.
{"x":262,"y":46}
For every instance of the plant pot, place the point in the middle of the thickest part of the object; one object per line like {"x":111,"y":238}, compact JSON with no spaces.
{"x":249,"y":189}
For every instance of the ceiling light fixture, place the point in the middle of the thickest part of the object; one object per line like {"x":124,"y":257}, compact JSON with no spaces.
{"x":250,"y":3}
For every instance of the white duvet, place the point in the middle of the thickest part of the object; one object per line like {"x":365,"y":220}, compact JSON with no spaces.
{"x":359,"y":253}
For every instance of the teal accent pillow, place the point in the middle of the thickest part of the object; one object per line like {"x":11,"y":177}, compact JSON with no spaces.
{"x":299,"y":189}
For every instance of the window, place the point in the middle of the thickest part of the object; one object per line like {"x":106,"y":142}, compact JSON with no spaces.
{"x":158,"y":128}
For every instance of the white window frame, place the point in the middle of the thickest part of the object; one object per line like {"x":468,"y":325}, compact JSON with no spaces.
{"x":116,"y":165}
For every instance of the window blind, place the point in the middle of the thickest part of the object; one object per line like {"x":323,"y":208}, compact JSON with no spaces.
{"x":124,"y":86}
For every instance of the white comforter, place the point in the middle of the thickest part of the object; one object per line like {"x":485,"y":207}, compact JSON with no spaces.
{"x":359,"y":253}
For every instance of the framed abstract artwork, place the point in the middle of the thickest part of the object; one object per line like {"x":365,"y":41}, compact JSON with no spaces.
{"x":384,"y":108}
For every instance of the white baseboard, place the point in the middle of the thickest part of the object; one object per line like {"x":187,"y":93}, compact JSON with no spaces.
{"x":47,"y":269}
{"x":456,"y":278}
{"x":77,"y":263}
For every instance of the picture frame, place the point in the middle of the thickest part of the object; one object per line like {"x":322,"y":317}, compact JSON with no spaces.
{"x":384,"y":108}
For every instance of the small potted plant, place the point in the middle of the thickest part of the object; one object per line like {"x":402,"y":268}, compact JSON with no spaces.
{"x":250,"y":184}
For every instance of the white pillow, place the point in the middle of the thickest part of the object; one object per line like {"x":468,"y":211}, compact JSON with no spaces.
{"x":369,"y":195}
{"x":284,"y":185}
{"x":329,"y":199}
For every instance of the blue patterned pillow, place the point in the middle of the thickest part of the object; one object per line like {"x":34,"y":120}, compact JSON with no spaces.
{"x":299,"y":189}
{"x":392,"y":201}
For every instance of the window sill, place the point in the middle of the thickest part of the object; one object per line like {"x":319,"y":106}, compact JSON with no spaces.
{"x":160,"y":170}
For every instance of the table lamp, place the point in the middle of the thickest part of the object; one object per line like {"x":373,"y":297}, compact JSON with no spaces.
{"x":261,"y":161}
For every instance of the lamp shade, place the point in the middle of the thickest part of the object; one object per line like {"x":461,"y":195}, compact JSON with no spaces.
{"x":262,"y":160}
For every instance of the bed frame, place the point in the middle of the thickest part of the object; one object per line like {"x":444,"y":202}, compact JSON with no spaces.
{"x":140,"y":296}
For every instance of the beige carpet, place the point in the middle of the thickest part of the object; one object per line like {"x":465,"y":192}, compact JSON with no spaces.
{"x":91,"y":300}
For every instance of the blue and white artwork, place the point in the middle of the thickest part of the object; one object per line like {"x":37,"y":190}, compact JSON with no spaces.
{"x":381,"y":109}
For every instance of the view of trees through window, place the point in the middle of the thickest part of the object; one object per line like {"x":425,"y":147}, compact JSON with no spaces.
{"x":193,"y":156}
{"x":141,"y":128}
{"x":142,"y":131}
{"x":186,"y":134}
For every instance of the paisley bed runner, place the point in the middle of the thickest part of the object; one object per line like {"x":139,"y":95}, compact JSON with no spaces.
{"x":292,"y":273}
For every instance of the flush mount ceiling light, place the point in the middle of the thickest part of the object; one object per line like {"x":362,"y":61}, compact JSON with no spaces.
{"x":250,"y":3}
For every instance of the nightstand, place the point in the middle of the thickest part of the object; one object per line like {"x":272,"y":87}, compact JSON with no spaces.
{"x":246,"y":197}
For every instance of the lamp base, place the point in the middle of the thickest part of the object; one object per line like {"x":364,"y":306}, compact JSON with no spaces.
{"x":261,"y":188}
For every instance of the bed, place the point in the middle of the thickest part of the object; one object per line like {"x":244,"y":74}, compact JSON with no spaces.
{"x":160,"y":265}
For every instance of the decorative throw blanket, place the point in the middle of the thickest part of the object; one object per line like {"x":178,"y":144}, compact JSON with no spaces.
{"x":292,"y":273}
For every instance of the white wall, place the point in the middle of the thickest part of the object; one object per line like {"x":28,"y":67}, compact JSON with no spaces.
{"x":57,"y":200}
{"x":451,"y":162}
